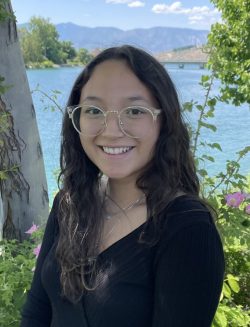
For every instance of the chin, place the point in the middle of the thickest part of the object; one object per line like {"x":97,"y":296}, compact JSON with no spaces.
{"x":120,"y":175}
{"x":115,"y":176}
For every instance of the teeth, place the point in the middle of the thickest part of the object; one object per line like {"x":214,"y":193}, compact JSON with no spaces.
{"x":116,"y":150}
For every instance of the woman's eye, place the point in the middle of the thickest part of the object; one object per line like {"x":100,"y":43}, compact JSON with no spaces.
{"x":92,"y":111}
{"x":137,"y":111}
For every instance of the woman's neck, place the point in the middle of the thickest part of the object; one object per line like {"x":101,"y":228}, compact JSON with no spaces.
{"x":123,"y":192}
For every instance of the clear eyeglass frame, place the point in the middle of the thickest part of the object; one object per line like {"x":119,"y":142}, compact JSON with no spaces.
{"x":71,"y":109}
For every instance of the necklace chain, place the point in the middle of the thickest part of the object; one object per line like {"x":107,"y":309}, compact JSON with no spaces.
{"x":127,"y":208}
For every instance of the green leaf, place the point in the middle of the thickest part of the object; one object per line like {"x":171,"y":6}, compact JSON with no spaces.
{"x":3,"y":88}
{"x":226,"y":291}
{"x":57,"y":92}
{"x":211,"y":102}
{"x":199,"y":107}
{"x":210,"y":113}
{"x":233,"y":284}
{"x":216,"y":146}
{"x":220,"y":319}
{"x":244,"y":151}
{"x":188,"y":106}
{"x":3,"y":175}
{"x":208,"y":157}
{"x":202,"y":172}
{"x":209,"y":126}
{"x":205,"y":78}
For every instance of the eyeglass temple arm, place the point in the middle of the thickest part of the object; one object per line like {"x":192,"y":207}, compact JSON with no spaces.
{"x":156,"y":112}
{"x":70,"y":110}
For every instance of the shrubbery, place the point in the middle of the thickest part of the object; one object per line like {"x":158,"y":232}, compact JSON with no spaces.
{"x":17,"y":263}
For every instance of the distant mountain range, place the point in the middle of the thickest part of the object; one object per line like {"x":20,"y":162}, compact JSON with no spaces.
{"x":155,"y":39}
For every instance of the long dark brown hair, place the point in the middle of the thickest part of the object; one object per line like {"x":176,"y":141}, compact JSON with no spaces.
{"x":171,"y":170}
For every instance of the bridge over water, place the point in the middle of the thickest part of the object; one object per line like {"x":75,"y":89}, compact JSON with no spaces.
{"x":194,"y":56}
{"x":182,"y":63}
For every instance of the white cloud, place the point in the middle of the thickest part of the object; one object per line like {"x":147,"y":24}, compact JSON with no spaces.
{"x":136,"y":4}
{"x":195,"y":18}
{"x":177,"y":8}
{"x":196,"y":14}
{"x":130,"y":3}
{"x":117,"y":1}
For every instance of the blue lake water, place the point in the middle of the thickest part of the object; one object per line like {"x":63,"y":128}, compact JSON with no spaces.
{"x":233,"y":131}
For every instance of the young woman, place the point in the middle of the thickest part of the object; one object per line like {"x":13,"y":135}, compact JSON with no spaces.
{"x":128,"y":242}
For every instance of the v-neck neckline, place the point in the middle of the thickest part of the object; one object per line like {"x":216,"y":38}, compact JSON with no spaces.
{"x":121,"y":240}
{"x":114,"y":245}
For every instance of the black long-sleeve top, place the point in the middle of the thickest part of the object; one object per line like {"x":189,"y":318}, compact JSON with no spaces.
{"x":175,"y":283}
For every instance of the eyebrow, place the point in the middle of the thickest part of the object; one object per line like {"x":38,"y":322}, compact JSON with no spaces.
{"x":132,"y":98}
{"x":137,"y":98}
{"x":92,"y":98}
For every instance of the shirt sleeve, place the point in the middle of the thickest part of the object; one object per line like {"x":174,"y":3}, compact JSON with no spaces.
{"x":189,"y":277}
{"x":37,"y":309}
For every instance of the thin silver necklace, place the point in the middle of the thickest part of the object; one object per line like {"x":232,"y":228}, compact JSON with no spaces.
{"x":134,"y":204}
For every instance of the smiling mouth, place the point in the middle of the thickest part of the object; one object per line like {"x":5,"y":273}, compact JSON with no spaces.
{"x":116,"y":150}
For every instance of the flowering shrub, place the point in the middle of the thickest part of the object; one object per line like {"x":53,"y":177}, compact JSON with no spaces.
{"x":233,"y":223}
{"x":37,"y":250}
{"x":30,"y":231}
{"x":17,"y":262}
{"x":229,"y":193}
{"x":235,"y":199}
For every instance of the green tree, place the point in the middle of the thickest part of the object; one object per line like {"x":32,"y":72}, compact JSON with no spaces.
{"x":46,"y":33}
{"x":229,"y":44}
{"x":31,"y":47}
{"x":68,"y":50}
{"x":83,"y":56}
{"x":41,"y":42}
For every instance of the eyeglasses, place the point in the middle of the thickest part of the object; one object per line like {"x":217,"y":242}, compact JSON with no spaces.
{"x":134,"y":121}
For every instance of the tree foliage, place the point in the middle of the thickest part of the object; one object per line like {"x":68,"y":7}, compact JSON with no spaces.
{"x":4,"y":15}
{"x":69,"y":52}
{"x":229,"y":43}
{"x":40,"y":41}
{"x":40,"y":44}
{"x":83,"y":56}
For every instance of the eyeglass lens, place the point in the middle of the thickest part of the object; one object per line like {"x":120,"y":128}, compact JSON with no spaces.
{"x":134,"y":121}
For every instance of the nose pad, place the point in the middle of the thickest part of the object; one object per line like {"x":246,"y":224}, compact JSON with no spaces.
{"x":112,"y":125}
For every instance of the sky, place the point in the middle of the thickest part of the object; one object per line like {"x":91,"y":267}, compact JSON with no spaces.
{"x":123,"y":14}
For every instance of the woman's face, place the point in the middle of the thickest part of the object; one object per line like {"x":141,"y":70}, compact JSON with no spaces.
{"x":112,"y":87}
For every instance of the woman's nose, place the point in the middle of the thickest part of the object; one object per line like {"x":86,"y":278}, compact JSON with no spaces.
{"x":112,"y":125}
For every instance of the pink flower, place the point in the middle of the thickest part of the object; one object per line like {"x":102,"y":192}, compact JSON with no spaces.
{"x":235,"y":199}
{"x":247,"y":209}
{"x":32,"y":229}
{"x":36,"y":251}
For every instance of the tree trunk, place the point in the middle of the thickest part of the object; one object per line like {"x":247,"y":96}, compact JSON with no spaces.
{"x":23,"y":185}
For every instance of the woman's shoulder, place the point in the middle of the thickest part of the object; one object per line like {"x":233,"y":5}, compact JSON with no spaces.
{"x":184,"y":203}
{"x":183,"y":211}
